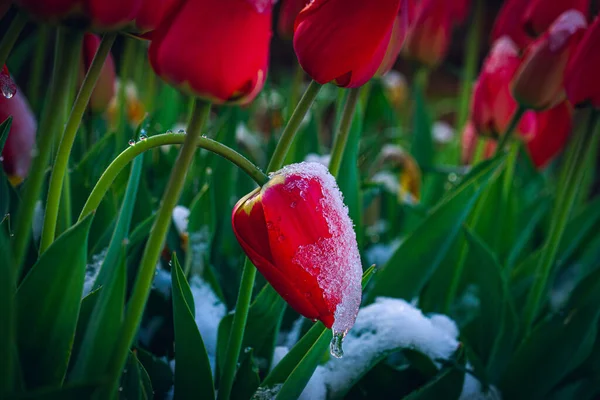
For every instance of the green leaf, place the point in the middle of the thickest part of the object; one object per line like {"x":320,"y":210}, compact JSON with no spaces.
{"x":4,"y":131}
{"x":421,"y":252}
{"x":159,"y":372}
{"x":7,"y":315}
{"x":193,"y":376}
{"x":4,"y":186}
{"x":48,"y":302}
{"x":246,"y":378}
{"x":421,"y":146}
{"x":69,"y":392}
{"x":135,"y":382}
{"x":201,"y":227}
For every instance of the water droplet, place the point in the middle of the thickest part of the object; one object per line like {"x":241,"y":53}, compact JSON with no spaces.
{"x":8,"y":91}
{"x":281,"y":238}
{"x":120,"y":388}
{"x":1,"y":158}
{"x":169,"y":131}
{"x":143,"y":137}
{"x":7,"y":86}
{"x":293,"y":204}
{"x":131,"y":142}
{"x":181,"y":131}
{"x":452,"y":177}
{"x":269,"y":225}
{"x":335,"y":347}
{"x":247,"y":349}
{"x":314,"y":320}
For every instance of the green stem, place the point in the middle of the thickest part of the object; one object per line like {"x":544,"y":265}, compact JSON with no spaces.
{"x":504,"y":139}
{"x":12,"y":34}
{"x":38,"y":65}
{"x":48,"y":128}
{"x":296,"y":87}
{"x":249,"y":272}
{"x":62,"y":157}
{"x":123,"y":159}
{"x":287,"y":137}
{"x":576,"y":169}
{"x":158,"y":233}
{"x":339,"y":145}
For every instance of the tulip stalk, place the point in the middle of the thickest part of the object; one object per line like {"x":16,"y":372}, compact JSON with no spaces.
{"x":574,"y":171}
{"x":67,"y":50}
{"x":512,"y":126}
{"x":66,"y":144}
{"x":12,"y":34}
{"x":339,"y":145}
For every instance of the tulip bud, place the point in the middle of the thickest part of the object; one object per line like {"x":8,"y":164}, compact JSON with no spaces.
{"x":540,"y":14}
{"x":104,"y":15}
{"x":344,"y":41}
{"x":16,"y":155}
{"x":582,"y":82}
{"x":430,"y":31}
{"x":287,"y":16}
{"x":539,"y":81}
{"x":216,"y":49}
{"x":105,"y":86}
{"x":509,"y":23}
{"x":297,"y":232}
{"x":151,"y":14}
{"x":551,"y":134}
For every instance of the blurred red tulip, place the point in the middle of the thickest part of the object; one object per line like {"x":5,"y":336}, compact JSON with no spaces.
{"x":344,"y":41}
{"x":105,"y":86}
{"x":492,"y":105}
{"x":509,"y":22}
{"x":287,"y":16}
{"x":99,"y":14}
{"x":297,"y":232}
{"x":582,"y":79}
{"x":468,"y":143}
{"x":539,"y":81}
{"x":430,"y":31}
{"x":152,"y":12}
{"x":551,"y":134}
{"x":16,"y":155}
{"x":396,"y":41}
{"x":216,"y":49}
{"x":540,"y":14}
{"x":460,"y":10}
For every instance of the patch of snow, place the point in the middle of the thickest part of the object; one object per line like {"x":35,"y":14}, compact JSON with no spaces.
{"x":92,"y":270}
{"x":442,"y":132}
{"x":38,"y":220}
{"x":180,"y":218}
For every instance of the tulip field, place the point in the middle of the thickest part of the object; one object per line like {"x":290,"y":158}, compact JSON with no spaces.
{"x":300,"y":199}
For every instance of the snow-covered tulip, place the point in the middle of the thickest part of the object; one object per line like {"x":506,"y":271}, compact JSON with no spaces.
{"x":215,"y":49}
{"x":287,"y":16}
{"x":16,"y":155}
{"x":297,"y":232}
{"x":539,"y":81}
{"x":105,"y":85}
{"x":344,"y":41}
{"x":97,"y":14}
{"x":540,"y":14}
{"x":582,"y":82}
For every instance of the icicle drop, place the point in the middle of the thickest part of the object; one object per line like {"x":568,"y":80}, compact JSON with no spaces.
{"x":335,"y":347}
{"x":131,"y":142}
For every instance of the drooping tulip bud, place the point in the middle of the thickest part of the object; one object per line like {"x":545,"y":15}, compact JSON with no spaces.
{"x":104,"y":15}
{"x":151,"y":14}
{"x":539,"y":81}
{"x":297,"y":232}
{"x":492,"y":105}
{"x":430,"y":31}
{"x":509,"y":22}
{"x":540,"y":14}
{"x":105,"y":85}
{"x":582,"y":82}
{"x":16,"y":155}
{"x":287,"y":16}
{"x":344,"y":41}
{"x":551,"y":134}
{"x":215,"y":49}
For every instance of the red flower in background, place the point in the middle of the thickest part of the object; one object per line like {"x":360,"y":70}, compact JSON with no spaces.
{"x":396,"y":41}
{"x":287,"y":16}
{"x":217,"y":49}
{"x":105,"y":86}
{"x":540,"y":14}
{"x":151,"y":13}
{"x":582,"y":79}
{"x":297,"y":232}
{"x":16,"y":155}
{"x":509,"y":22}
{"x":99,"y":14}
{"x":539,"y":81}
{"x":344,"y":41}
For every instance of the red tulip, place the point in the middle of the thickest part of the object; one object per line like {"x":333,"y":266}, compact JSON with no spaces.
{"x":297,"y":232}
{"x":582,"y":82}
{"x":551,"y":133}
{"x":217,"y":49}
{"x":99,"y":14}
{"x":344,"y":41}
{"x":460,"y":10}
{"x":509,"y":22}
{"x":287,"y":16}
{"x":105,"y":86}
{"x":428,"y":37}
{"x":16,"y":155}
{"x":492,"y":105}
{"x":540,"y":14}
{"x":539,"y":82}
{"x":468,"y":143}
{"x":396,"y":41}
{"x":151,"y":14}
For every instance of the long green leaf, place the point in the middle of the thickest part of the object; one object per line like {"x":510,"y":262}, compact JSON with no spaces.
{"x":135,"y":382}
{"x":48,"y":302}
{"x":7,"y":315}
{"x":4,"y":131}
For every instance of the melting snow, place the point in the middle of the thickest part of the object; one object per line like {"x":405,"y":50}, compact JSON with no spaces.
{"x":92,"y":270}
{"x":180,"y":218}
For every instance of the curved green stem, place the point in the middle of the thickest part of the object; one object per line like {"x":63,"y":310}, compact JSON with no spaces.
{"x":287,"y":137}
{"x":12,"y":34}
{"x":339,"y":145}
{"x":69,"y":46}
{"x":158,"y":233}
{"x":165,"y":139}
{"x":66,"y":144}
{"x":504,"y":139}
